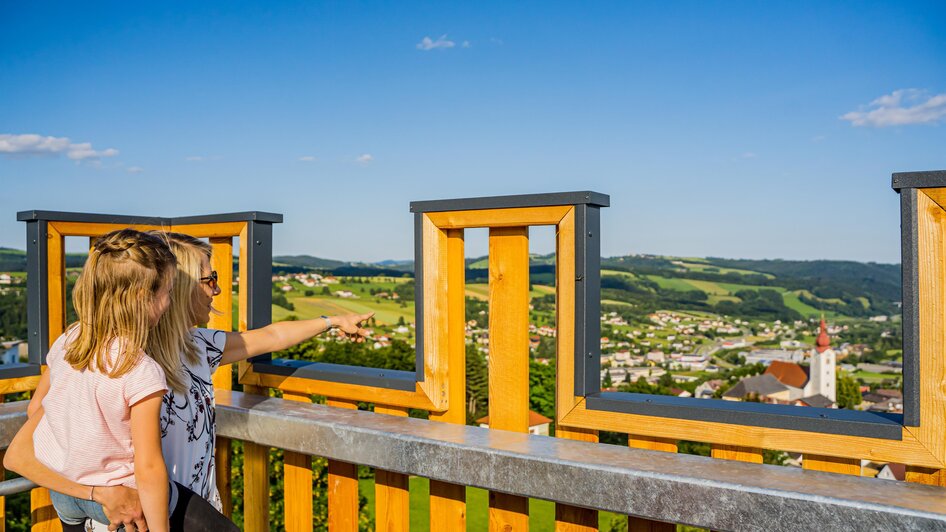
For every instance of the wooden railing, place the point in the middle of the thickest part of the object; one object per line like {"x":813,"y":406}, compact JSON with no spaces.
{"x":831,"y":441}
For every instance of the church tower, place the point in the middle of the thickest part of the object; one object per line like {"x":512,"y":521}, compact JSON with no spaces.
{"x":821,"y":378}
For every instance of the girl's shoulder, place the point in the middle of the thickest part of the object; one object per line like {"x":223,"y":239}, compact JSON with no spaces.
{"x":57,"y":351}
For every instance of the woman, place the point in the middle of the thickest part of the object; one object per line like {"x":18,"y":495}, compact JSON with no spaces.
{"x":189,"y":355}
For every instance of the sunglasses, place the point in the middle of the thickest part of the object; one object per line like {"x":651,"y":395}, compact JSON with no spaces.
{"x":211,"y":279}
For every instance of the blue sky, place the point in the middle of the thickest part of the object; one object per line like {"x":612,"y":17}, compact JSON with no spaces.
{"x":735,"y":129}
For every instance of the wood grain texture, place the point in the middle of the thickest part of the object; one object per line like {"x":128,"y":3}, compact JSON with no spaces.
{"x":56,"y":282}
{"x":19,"y":384}
{"x":391,"y":490}
{"x":574,"y":518}
{"x":94,"y":229}
{"x":297,"y":482}
{"x":514,"y":217}
{"x":652,"y":443}
{"x":448,"y":501}
{"x":925,"y":475}
{"x":352,"y":392}
{"x":832,"y":464}
{"x":436,"y":315}
{"x":636,"y":524}
{"x":908,"y":450}
{"x":342,"y":486}
{"x":565,"y":399}
{"x":42,"y":514}
{"x":211,"y":230}
{"x":931,"y":263}
{"x":508,"y":356}
{"x":739,"y":454}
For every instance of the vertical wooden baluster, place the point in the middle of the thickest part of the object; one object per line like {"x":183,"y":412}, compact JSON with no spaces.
{"x":832,"y":464}
{"x":255,"y":480}
{"x":508,"y":356}
{"x":448,"y":501}
{"x":342,"y":486}
{"x":392,"y":496}
{"x":43,"y":515}
{"x":637,"y":524}
{"x":297,"y":481}
{"x":222,"y":262}
{"x":924,"y":475}
{"x":740,"y":454}
{"x":568,"y":518}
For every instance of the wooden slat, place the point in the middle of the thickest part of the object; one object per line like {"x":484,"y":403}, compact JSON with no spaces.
{"x":908,"y":450}
{"x":574,"y":518}
{"x":652,"y":443}
{"x":925,"y":475}
{"x":342,"y":487}
{"x":740,"y":454}
{"x":255,"y":480}
{"x":448,"y":501}
{"x":19,"y":384}
{"x":515,"y":217}
{"x":832,"y":464}
{"x":639,"y":524}
{"x":56,"y":279}
{"x":436,"y":315}
{"x":222,"y":261}
{"x":565,"y":399}
{"x":931,"y":263}
{"x":213,"y":230}
{"x":508,"y":356}
{"x":96,"y":229}
{"x":340,"y":390}
{"x":297,"y":482}
{"x":391,"y":490}
{"x":42,"y":514}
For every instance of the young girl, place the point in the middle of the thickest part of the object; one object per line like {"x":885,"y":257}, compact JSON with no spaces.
{"x":101,"y":397}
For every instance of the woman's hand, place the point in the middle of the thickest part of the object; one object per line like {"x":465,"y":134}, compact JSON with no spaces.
{"x":350,"y":325}
{"x":122,"y":507}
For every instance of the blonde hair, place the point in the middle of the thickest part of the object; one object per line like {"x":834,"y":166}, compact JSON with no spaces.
{"x":171,"y":341}
{"x":113,"y":298}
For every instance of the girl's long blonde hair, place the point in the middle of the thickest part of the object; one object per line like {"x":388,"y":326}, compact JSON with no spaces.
{"x":171,"y":341}
{"x":113,"y":298}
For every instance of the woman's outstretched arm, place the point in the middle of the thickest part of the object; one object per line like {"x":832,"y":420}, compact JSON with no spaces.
{"x":285,"y":334}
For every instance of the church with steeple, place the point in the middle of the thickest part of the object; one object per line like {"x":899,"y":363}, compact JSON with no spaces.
{"x":815,"y":385}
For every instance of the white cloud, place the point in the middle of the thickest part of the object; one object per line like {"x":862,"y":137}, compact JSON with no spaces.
{"x":818,"y":138}
{"x":307,"y":158}
{"x":466,"y":44}
{"x":426,"y":44}
{"x":194,"y":158}
{"x":364,"y":158}
{"x":497,"y":41}
{"x":32,"y":145}
{"x":134,"y":169}
{"x":902,"y":107}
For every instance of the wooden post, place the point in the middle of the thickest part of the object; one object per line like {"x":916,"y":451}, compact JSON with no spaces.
{"x":392,"y":501}
{"x":43,"y":516}
{"x":448,"y":501}
{"x":638,"y":524}
{"x":255,"y":480}
{"x":832,"y":464}
{"x":508,"y":356}
{"x":342,"y":486}
{"x":297,"y":482}
{"x":575,"y":518}
{"x":740,"y":454}
{"x":222,"y":262}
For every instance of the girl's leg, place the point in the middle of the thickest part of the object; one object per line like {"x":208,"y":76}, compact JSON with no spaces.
{"x":193,"y":513}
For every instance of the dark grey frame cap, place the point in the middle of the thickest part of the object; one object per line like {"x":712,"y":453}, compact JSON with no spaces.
{"x":586,"y":197}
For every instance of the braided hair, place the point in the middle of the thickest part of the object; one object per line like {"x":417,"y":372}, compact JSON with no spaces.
{"x":113,"y":298}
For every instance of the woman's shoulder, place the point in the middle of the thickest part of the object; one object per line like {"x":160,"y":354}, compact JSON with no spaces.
{"x":209,"y":340}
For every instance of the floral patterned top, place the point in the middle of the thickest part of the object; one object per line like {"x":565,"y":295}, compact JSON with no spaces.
{"x":188,"y":420}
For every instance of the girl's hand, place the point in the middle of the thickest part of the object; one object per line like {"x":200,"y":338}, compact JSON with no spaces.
{"x":122,"y":507}
{"x":350,"y":325}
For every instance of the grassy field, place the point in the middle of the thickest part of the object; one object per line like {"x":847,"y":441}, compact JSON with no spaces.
{"x":541,"y":513}
{"x":702,"y":267}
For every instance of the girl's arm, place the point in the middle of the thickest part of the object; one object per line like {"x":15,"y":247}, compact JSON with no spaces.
{"x":285,"y":334}
{"x":36,"y":400}
{"x":120,"y":503}
{"x":151,"y":474}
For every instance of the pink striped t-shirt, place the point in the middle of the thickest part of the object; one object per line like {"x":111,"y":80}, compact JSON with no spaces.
{"x":85,"y":434}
